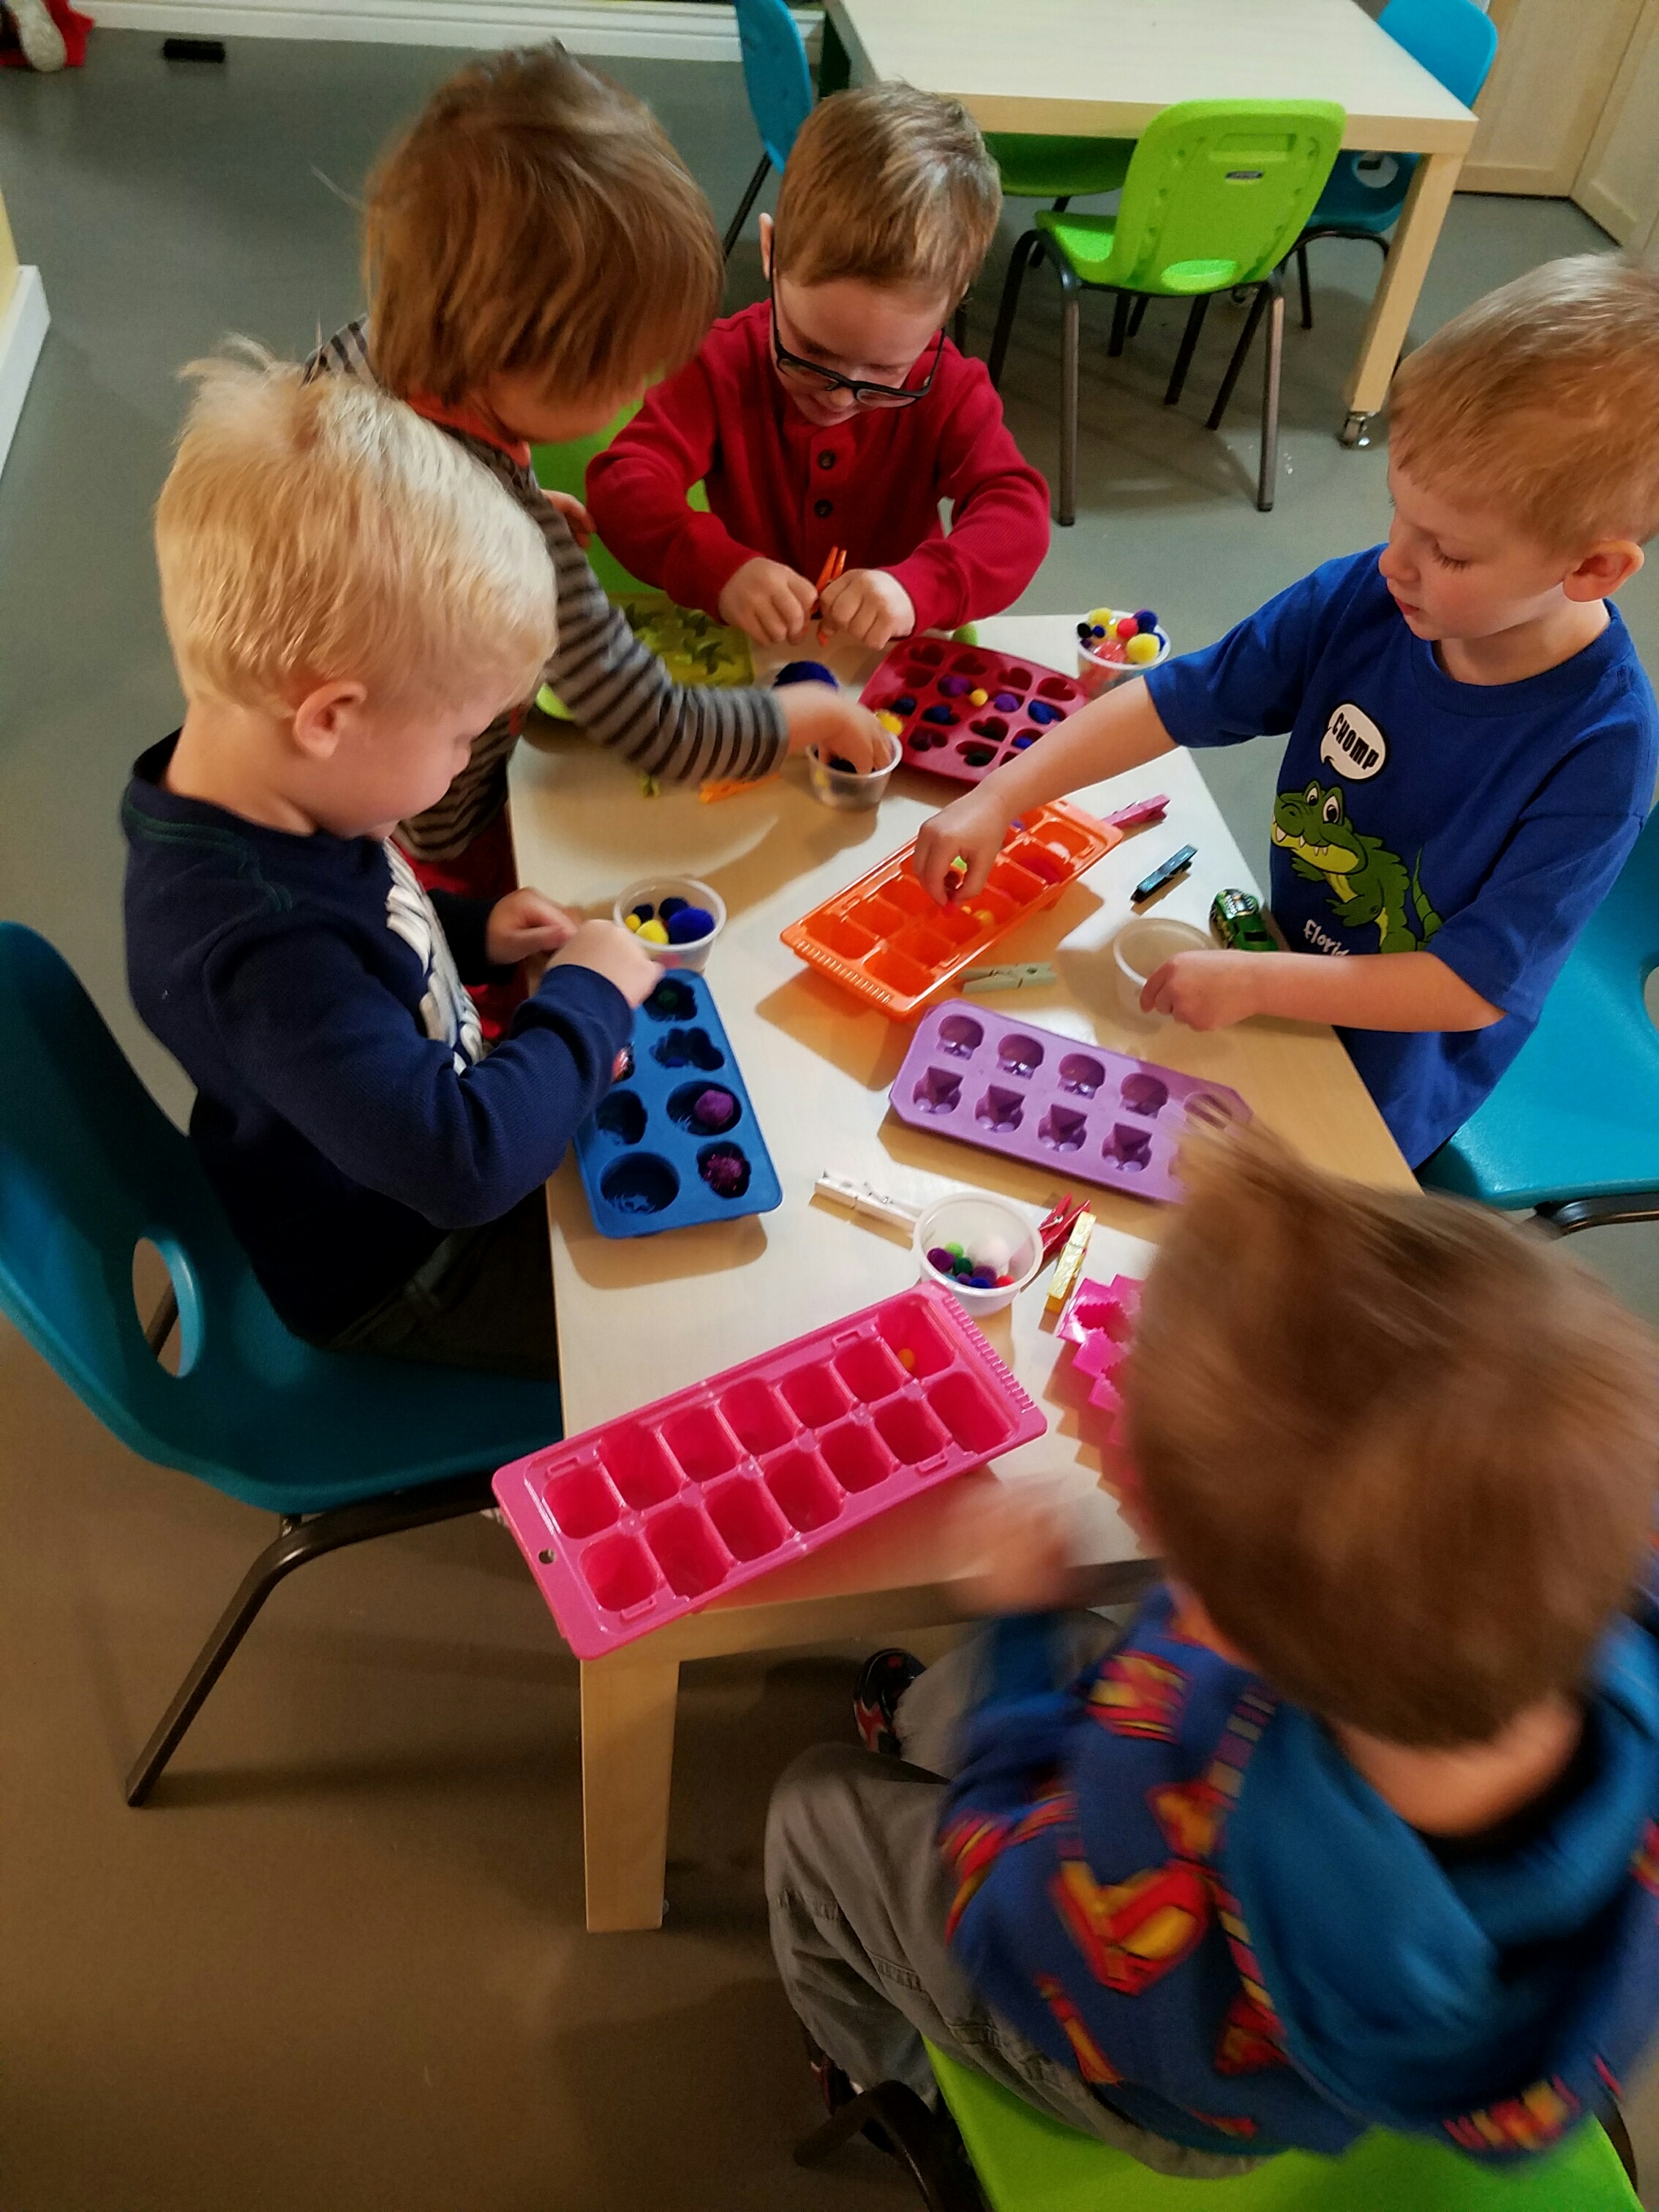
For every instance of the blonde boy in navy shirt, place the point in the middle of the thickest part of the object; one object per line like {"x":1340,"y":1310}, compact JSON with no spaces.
{"x":1471,"y":737}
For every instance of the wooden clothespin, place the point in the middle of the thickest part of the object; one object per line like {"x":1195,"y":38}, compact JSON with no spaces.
{"x":1015,"y":975}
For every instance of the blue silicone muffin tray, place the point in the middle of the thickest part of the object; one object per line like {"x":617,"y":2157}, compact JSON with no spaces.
{"x":646,"y":1164}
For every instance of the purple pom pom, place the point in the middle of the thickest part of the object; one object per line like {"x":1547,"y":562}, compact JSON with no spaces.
{"x":714,"y":1110}
{"x":943,"y":1260}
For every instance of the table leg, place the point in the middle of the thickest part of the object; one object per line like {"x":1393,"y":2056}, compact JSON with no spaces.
{"x":627,"y":1763}
{"x":1420,"y":219}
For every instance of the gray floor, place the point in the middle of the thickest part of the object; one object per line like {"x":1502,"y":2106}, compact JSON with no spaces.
{"x":339,"y":1964}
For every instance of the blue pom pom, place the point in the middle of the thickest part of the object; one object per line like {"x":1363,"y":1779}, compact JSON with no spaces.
{"x":690,"y":923}
{"x":907,"y":705}
{"x":1145,"y":620}
{"x":1041,"y":711}
{"x":941,"y":715}
{"x":804,"y":671}
{"x":642,"y":913}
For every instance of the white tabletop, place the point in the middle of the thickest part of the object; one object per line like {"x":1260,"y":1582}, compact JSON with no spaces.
{"x":1106,"y":67}
{"x":642,"y":1316}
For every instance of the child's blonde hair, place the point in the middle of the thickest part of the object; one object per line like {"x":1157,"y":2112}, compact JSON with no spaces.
{"x":1541,"y":401}
{"x":1404,"y":1454}
{"x":534,"y":217}
{"x":315,"y":531}
{"x":891,"y":185}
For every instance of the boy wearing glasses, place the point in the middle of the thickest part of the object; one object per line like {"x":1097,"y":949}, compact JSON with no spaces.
{"x":836,"y":413}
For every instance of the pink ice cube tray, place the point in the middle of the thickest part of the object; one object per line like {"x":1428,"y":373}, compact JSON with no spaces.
{"x":1099,"y":1322}
{"x":927,"y":686}
{"x":649,"y":1517}
{"x":1034,"y":1095}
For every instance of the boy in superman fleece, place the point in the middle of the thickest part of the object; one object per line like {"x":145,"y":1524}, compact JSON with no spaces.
{"x":1356,"y":1824}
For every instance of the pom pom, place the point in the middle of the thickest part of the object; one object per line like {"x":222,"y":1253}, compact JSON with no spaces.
{"x":804,"y":671}
{"x":1146,"y":619}
{"x":632,"y":922}
{"x":941,"y":715}
{"x":907,"y":705}
{"x":670,"y":907}
{"x":978,"y":698}
{"x":689,"y":924}
{"x":725,"y":1174}
{"x":714,"y":1110}
{"x":941,"y":1259}
{"x":907,"y":1359}
{"x":1006,"y":702}
{"x":1141,"y":651}
{"x":1041,"y":711}
{"x":981,"y":1281}
{"x":893,"y":724}
{"x":654,"y":932}
{"x":1101,"y":617}
{"x":952,"y":687}
{"x":1125,"y":627}
{"x":990,"y":1254}
{"x":641,"y":913}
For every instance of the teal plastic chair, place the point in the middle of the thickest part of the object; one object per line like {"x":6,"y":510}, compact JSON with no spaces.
{"x":778,"y":83}
{"x":1571,"y":1130}
{"x":1215,"y":198}
{"x":341,"y":1448}
{"x":1456,"y":41}
{"x":1002,"y":2155}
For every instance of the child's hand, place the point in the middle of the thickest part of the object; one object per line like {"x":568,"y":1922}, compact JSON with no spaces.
{"x":526,"y":922}
{"x":766,"y":601}
{"x":580,"y":521}
{"x":1022,"y":1538}
{"x":970,"y":829}
{"x":814,"y":714}
{"x":1205,"y":990}
{"x":871,"y":606}
{"x":614,"y":952}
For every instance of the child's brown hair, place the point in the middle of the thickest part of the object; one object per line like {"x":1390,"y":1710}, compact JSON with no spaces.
{"x":891,"y":185}
{"x":535,"y":217}
{"x":1542,"y":400}
{"x":1404,"y":1454}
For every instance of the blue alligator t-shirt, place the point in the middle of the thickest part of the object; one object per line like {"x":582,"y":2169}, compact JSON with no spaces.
{"x":1485,"y":822}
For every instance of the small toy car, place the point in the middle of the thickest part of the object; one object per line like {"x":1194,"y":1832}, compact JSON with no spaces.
{"x":1237,"y":919}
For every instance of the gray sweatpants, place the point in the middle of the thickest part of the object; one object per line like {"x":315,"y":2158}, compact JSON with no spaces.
{"x":858,"y":1893}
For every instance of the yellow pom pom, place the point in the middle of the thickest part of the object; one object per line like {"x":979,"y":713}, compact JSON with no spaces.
{"x":893,"y":724}
{"x":653,"y":932}
{"x":978,"y":698}
{"x":1140,"y":651}
{"x":1102,"y":615}
{"x":631,"y":921}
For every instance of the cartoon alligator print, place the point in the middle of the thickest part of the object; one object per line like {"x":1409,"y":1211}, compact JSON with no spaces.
{"x":1366,"y":882}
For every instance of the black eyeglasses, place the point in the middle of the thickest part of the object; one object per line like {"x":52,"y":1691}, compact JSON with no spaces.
{"x":832,"y":380}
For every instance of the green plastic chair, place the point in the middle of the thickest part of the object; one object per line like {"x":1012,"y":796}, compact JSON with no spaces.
{"x":1061,"y":169}
{"x":1216,"y":195}
{"x":1003,"y":2156}
{"x":340,"y":1448}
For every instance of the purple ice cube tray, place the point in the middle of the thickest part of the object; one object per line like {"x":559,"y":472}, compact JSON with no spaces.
{"x":1016,"y":1088}
{"x":646,"y":1518}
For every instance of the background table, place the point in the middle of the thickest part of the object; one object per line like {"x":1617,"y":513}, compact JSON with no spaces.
{"x":1104,"y":68}
{"x":642,"y":1316}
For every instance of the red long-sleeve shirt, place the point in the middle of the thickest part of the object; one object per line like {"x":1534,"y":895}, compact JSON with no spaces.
{"x":784,"y":489}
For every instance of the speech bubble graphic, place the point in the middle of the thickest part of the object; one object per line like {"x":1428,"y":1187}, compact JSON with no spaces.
{"x":1352,"y":744}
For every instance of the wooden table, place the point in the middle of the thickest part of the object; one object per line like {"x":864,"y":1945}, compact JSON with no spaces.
{"x":641,"y":1317}
{"x":1104,"y":68}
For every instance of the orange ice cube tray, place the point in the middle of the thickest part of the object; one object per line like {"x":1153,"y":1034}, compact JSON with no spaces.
{"x":884,"y":939}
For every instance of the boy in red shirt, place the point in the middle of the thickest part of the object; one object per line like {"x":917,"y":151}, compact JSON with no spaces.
{"x":836,"y":413}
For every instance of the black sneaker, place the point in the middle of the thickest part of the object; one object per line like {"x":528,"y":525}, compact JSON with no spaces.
{"x":883,"y":1680}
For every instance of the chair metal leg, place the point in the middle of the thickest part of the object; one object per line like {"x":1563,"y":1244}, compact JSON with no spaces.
{"x":1019,"y":261}
{"x":1563,"y":1217}
{"x":959,"y":327}
{"x":1266,"y":479}
{"x":925,"y":2145}
{"x":1184,"y":360}
{"x":1258,"y":306}
{"x":734,"y":228}
{"x":1122,"y":304}
{"x":297,"y":1542}
{"x":1069,"y":339}
{"x":159,"y":1326}
{"x":1138,"y":313}
{"x":1302,"y":278}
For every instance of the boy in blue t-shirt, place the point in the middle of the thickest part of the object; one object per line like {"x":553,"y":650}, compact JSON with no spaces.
{"x":1471,"y":737}
{"x":1356,"y":1823}
{"x":350,"y":598}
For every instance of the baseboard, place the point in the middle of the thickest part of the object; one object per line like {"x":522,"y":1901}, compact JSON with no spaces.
{"x":23,"y":330}
{"x":664,"y":30}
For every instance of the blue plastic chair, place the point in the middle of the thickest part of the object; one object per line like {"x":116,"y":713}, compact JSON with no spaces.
{"x":778,"y":83}
{"x":340,"y":1448}
{"x":1456,"y":41}
{"x":1573,"y":1128}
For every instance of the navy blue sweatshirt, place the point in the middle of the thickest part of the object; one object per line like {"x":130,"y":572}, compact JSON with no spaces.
{"x":345,"y":1111}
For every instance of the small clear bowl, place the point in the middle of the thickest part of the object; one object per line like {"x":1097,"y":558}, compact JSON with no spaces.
{"x":651,"y":891}
{"x":842,"y":787}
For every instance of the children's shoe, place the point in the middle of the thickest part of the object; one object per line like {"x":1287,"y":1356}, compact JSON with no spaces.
{"x":41,"y":41}
{"x":883,"y":1680}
